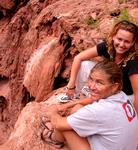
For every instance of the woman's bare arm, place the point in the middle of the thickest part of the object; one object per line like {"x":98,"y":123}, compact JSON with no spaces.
{"x":85,"y":55}
{"x":134,"y":84}
{"x":83,"y":102}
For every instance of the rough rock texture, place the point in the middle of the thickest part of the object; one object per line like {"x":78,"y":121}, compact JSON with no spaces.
{"x":29,"y":127}
{"x":44,"y":66}
{"x":38,"y":40}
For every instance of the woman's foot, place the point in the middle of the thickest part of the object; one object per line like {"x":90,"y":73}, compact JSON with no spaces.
{"x":48,"y":135}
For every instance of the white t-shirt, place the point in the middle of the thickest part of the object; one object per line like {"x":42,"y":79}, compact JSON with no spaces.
{"x":109,"y":124}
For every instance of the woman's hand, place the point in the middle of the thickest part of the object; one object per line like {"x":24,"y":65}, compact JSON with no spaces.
{"x":64,"y":109}
{"x":70,"y":92}
{"x":51,"y":110}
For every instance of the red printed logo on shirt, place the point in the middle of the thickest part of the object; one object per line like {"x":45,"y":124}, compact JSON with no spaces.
{"x":129,"y":110}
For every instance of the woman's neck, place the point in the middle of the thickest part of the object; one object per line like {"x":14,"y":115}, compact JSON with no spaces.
{"x":119,"y":58}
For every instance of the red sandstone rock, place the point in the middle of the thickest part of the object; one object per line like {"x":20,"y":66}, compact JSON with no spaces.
{"x":26,"y":31}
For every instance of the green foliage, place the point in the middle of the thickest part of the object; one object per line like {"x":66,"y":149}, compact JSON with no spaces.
{"x":78,"y":49}
{"x":91,"y":22}
{"x":124,"y":15}
{"x":122,"y":1}
{"x":67,"y":79}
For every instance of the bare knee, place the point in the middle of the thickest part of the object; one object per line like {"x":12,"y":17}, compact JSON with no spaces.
{"x":74,"y":140}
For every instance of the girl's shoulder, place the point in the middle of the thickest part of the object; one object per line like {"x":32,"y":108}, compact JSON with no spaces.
{"x":132,"y":65}
{"x":102,"y":44}
{"x":133,"y":57}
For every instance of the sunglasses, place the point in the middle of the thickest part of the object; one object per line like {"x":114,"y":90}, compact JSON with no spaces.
{"x":125,"y":22}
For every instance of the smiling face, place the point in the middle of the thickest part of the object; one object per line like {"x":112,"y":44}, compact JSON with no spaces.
{"x":100,"y":86}
{"x":122,"y":41}
{"x":105,"y":79}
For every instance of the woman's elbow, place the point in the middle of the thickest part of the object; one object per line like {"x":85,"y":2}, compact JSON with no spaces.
{"x":136,"y":103}
{"x":77,"y":58}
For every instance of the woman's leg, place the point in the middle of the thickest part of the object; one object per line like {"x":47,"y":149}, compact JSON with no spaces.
{"x":74,"y":141}
{"x":83,"y":74}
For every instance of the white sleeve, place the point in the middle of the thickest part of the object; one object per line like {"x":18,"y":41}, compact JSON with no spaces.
{"x":84,"y":121}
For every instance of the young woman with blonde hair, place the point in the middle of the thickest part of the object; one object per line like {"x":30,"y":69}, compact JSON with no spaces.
{"x":121,"y":47}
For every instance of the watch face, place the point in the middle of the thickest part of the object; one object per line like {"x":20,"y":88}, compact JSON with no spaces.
{"x":63,"y":98}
